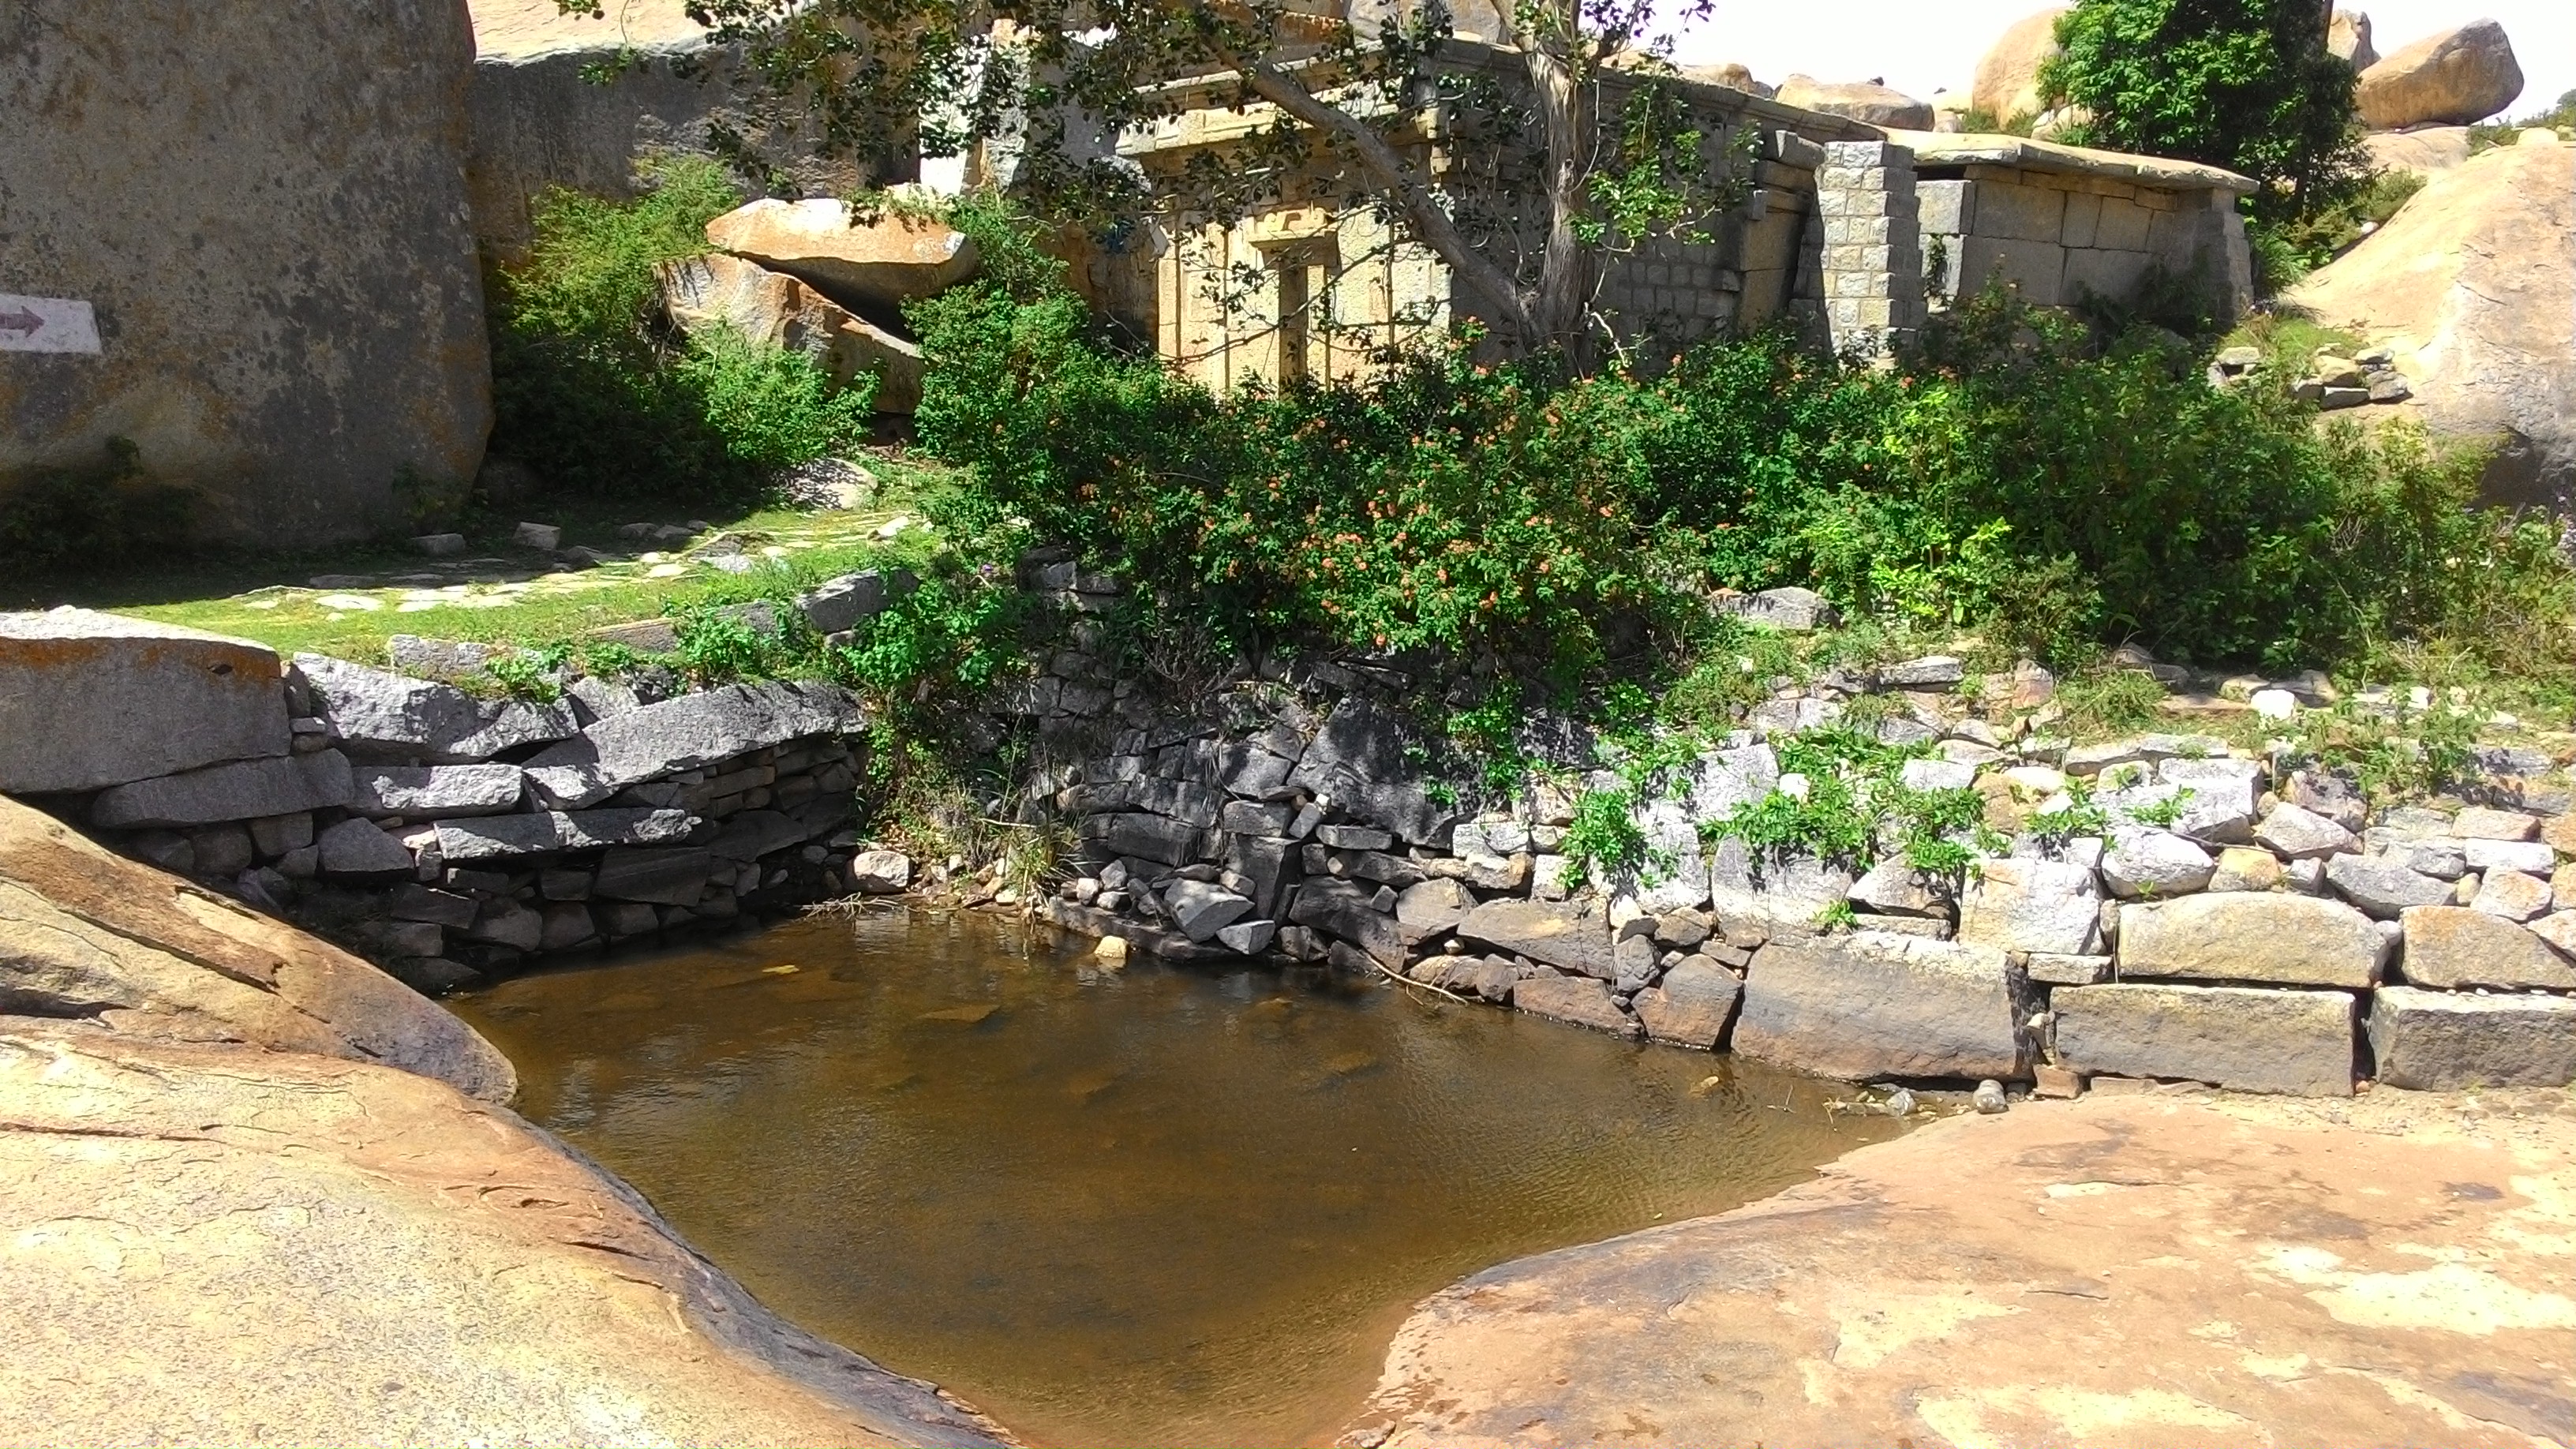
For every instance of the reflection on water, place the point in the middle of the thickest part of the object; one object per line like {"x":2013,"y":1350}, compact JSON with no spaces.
{"x":1147,"y":1206}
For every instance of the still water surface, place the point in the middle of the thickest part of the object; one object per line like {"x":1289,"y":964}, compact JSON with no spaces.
{"x":1151,"y":1206}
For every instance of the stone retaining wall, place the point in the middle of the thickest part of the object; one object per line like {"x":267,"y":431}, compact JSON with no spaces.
{"x":444,"y":833}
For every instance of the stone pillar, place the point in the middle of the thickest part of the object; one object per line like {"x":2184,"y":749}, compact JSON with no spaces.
{"x":1873,"y":244}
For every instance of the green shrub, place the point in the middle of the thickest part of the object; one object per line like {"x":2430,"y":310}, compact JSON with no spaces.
{"x":592,"y":390}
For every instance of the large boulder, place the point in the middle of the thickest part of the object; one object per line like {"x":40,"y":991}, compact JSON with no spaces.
{"x":263,"y":208}
{"x":2455,"y":77}
{"x":866,"y":261}
{"x":2471,"y":285}
{"x":1864,"y":101}
{"x":88,"y":934}
{"x":90,"y":699}
{"x":443,"y":1271}
{"x":2247,"y":1038}
{"x":2283,"y":940}
{"x":2443,"y":1041}
{"x":2007,"y":83}
{"x":1875,"y":1004}
{"x":774,"y":309}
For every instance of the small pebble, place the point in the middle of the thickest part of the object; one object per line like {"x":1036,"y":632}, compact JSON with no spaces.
{"x":1901,"y":1104}
{"x":1989,"y":1098}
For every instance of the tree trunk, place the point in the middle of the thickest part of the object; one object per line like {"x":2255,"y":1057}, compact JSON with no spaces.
{"x":1556,"y":309}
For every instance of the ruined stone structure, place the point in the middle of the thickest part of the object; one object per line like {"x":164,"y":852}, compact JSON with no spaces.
{"x":1835,"y":233}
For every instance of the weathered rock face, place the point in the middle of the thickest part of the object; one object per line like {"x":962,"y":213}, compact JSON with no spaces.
{"x":2454,"y":78}
{"x":1691,"y":1006}
{"x":89,"y":935}
{"x":1950,"y":1288}
{"x":2348,"y":39}
{"x":90,"y":699}
{"x":1863,"y":101}
{"x":383,"y":716}
{"x":2427,"y":153}
{"x":152,"y":171}
{"x":2244,"y":936}
{"x":2299,"y":1043}
{"x":2007,"y":84}
{"x":382,"y":1223}
{"x":1357,"y":760}
{"x":2471,"y":285}
{"x":776,"y":310}
{"x":2440,"y":1041}
{"x":1874,"y":1005}
{"x":859,"y":263}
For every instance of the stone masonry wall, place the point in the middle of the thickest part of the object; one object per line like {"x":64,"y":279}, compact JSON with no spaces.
{"x":1873,"y":259}
{"x":2059,"y":236}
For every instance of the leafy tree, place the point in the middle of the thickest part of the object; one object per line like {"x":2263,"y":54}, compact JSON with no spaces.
{"x":1612,"y":159}
{"x":2244,"y":84}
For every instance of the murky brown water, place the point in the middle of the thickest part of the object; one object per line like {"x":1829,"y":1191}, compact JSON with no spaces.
{"x":1154,"y":1206}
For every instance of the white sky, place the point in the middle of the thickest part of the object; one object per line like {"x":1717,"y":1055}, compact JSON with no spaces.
{"x":1921,"y":46}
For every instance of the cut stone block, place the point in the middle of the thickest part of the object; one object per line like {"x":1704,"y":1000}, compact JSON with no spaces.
{"x":2444,"y":1041}
{"x":244,"y":790}
{"x":667,"y":877}
{"x":2283,"y":940}
{"x":2249,"y":1039}
{"x":1691,"y":1006}
{"x":430,"y":792}
{"x":502,"y":837}
{"x":1873,"y":1004}
{"x":89,"y":700}
{"x":358,"y":849}
{"x":686,"y":733}
{"x":1574,"y":937}
{"x":379,"y":715}
{"x":1578,"y":1000}
{"x":2031,"y":905}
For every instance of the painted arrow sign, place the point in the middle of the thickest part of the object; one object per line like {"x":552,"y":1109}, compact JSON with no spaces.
{"x":47,"y":324}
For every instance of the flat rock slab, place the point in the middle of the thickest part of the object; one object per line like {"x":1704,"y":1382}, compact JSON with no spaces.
{"x":2247,"y":936}
{"x":380,"y":715}
{"x":1874,"y":1004}
{"x":2130,"y":1271}
{"x":437,"y":1270}
{"x":243,"y":790}
{"x":2450,"y":1041}
{"x":500,"y":837}
{"x":89,"y":700}
{"x":430,"y":792}
{"x":2299,"y":1043}
{"x":685,"y":733}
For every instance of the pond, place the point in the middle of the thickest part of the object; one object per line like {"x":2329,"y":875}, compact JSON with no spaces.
{"x":1150,"y":1205}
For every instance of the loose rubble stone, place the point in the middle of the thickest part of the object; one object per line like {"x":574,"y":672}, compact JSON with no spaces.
{"x":1792,"y":610}
{"x":1573,"y":937}
{"x":1722,"y":782}
{"x":1690,"y":1006}
{"x":221,"y":851}
{"x":1577,"y":1000}
{"x":238,"y":791}
{"x":1873,"y":1005}
{"x":1248,"y":938}
{"x":430,"y":792}
{"x":356,"y":848}
{"x":2512,"y":896}
{"x":1201,"y":910}
{"x":380,"y":715}
{"x":2383,"y":888}
{"x":2154,"y":864}
{"x":2247,"y":1039}
{"x":2295,"y":833}
{"x":1349,"y":912}
{"x":1894,"y":888}
{"x":2030,"y":905}
{"x":2241,"y":868}
{"x":2455,"y":946}
{"x":2531,"y":858}
{"x":502,"y":837}
{"x":841,"y":603}
{"x":2479,"y":823}
{"x":1431,"y":907}
{"x":1930,"y":671}
{"x":686,"y":733}
{"x":2442,"y":1041}
{"x":89,"y":700}
{"x":1790,"y":892}
{"x":1936,"y":775}
{"x":879,"y":872}
{"x":2279,"y":939}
